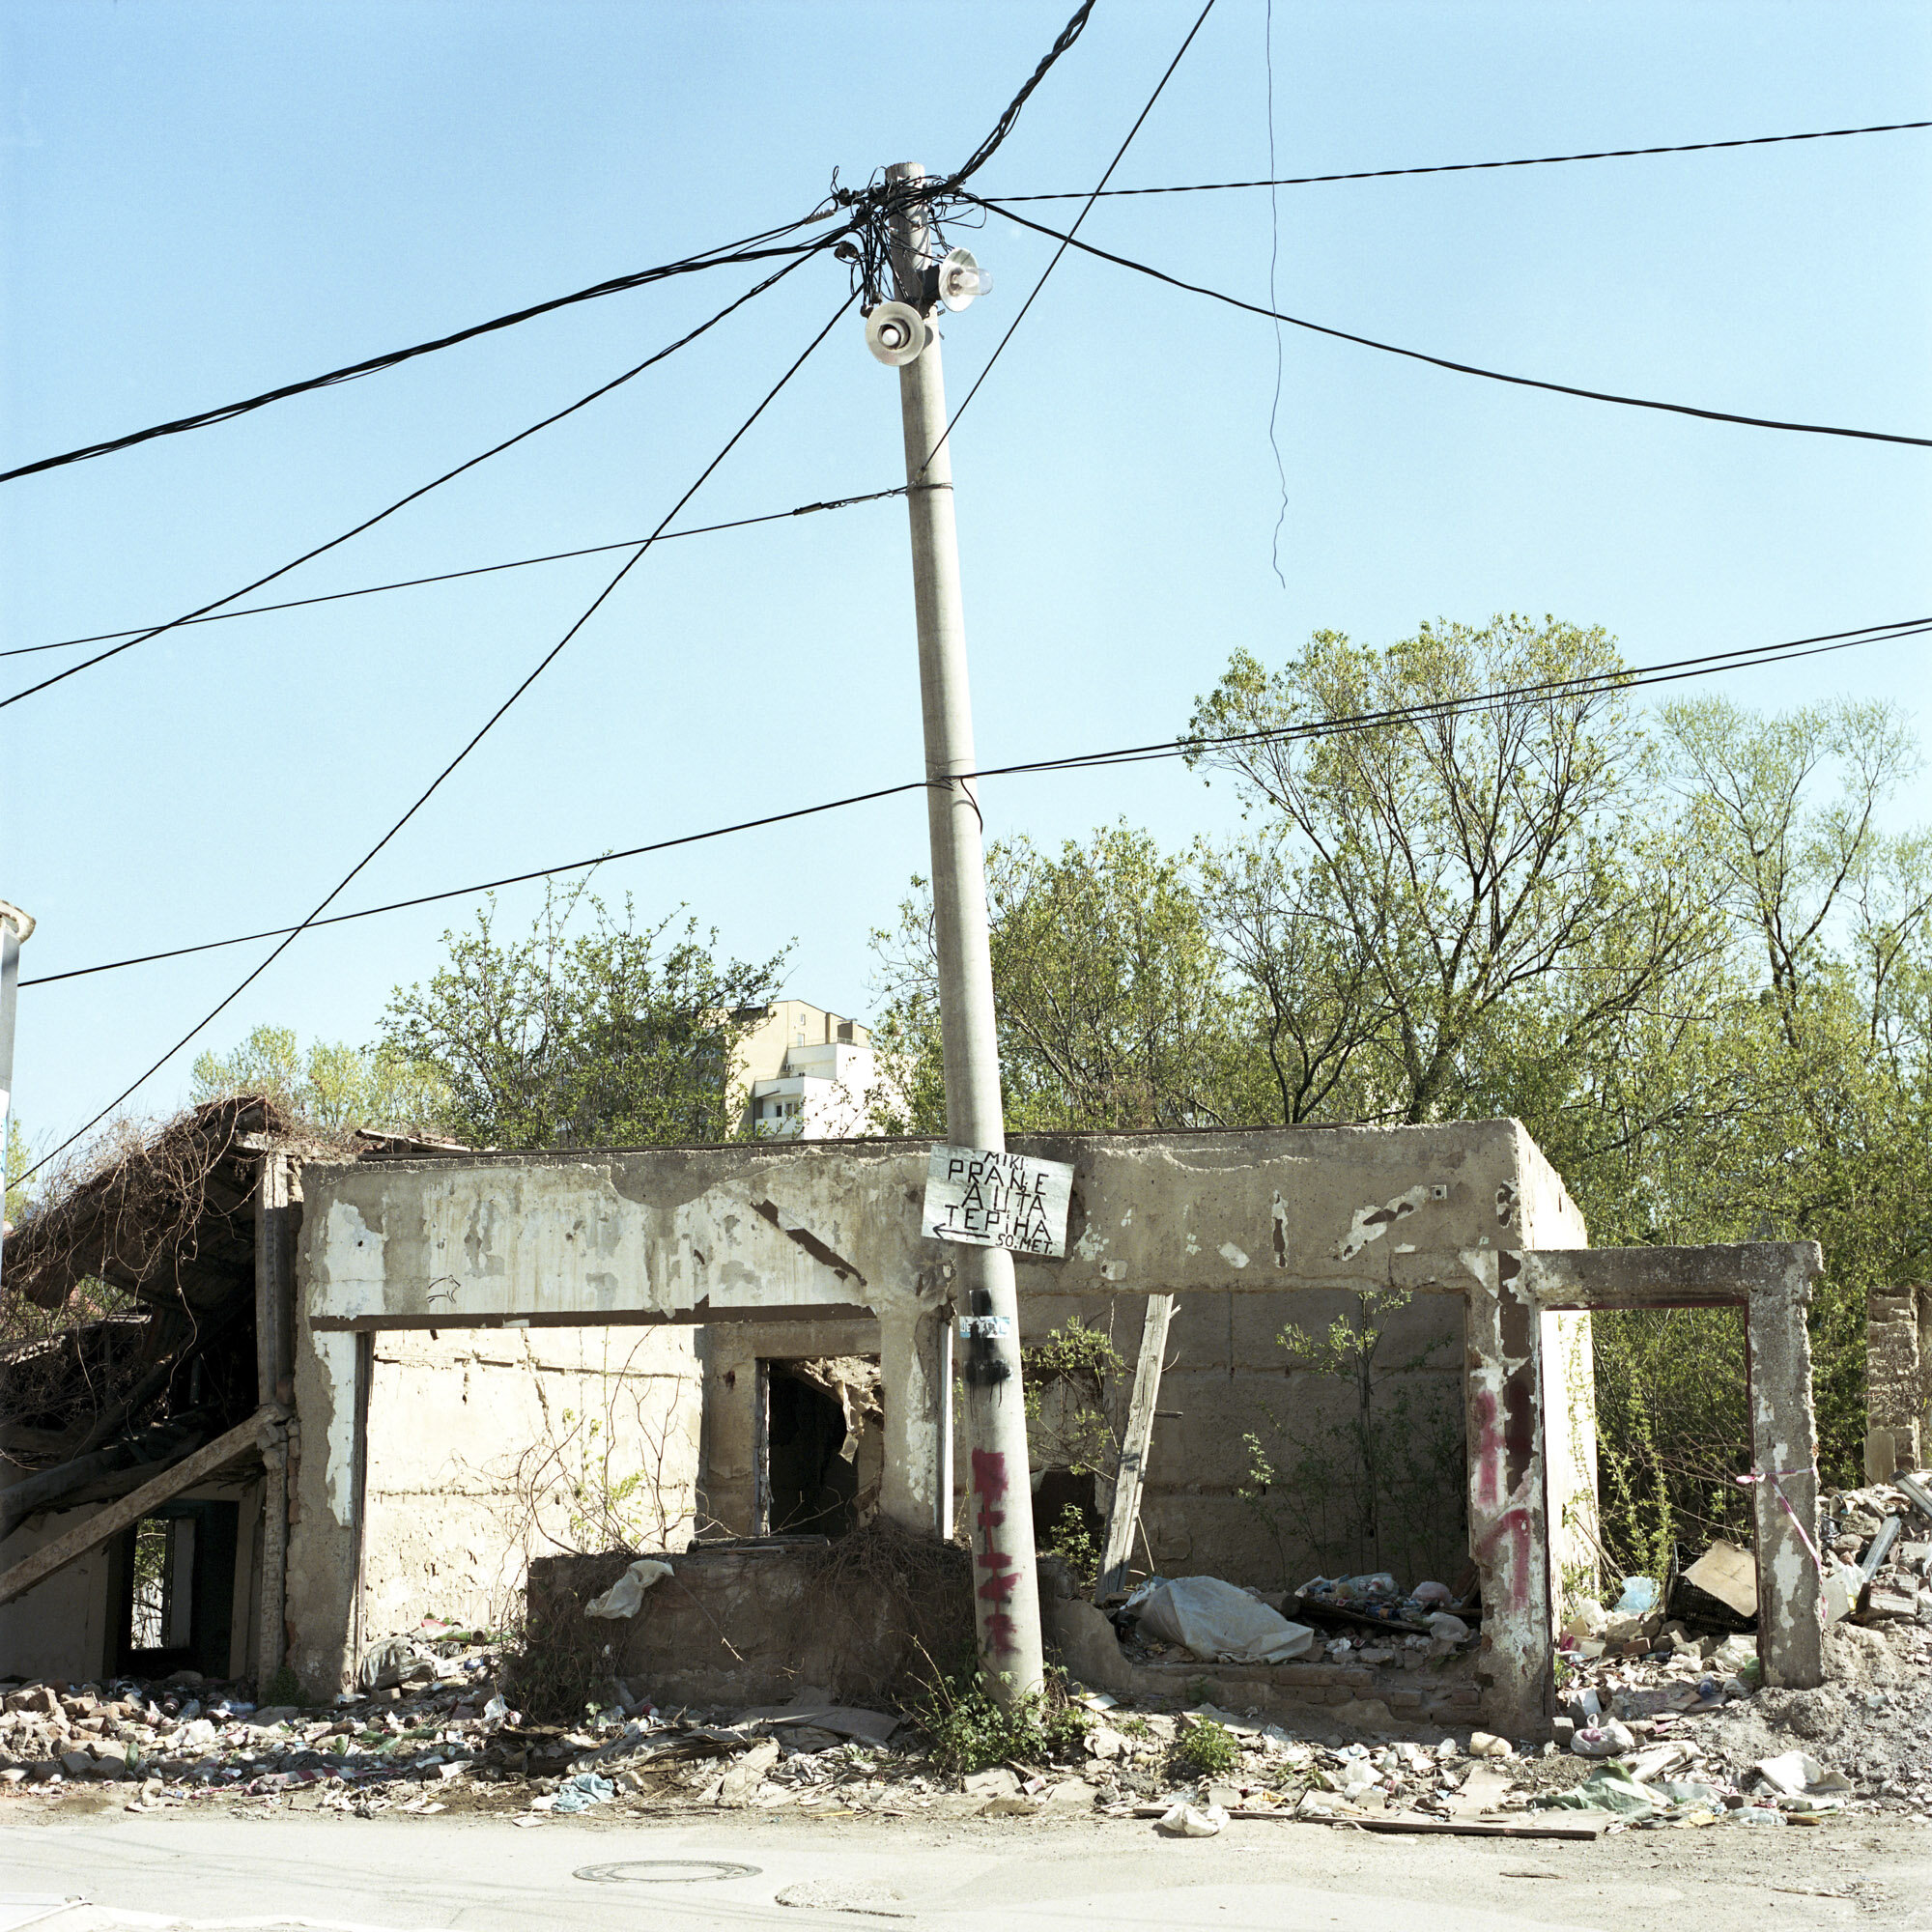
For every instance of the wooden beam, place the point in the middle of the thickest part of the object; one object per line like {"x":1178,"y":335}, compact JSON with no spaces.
{"x":1131,"y":1473}
{"x":116,"y":1516}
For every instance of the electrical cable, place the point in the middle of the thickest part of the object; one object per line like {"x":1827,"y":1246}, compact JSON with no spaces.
{"x":723,"y":257}
{"x":1443,"y":361}
{"x":1744,"y":658}
{"x":476,"y":738}
{"x":1472,"y":167}
{"x":1004,"y":126}
{"x":1000,"y":346}
{"x":475,"y":570}
{"x":401,"y":502}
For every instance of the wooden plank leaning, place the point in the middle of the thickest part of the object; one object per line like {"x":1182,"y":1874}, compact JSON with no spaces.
{"x":116,"y":1516}
{"x":1123,"y":1517}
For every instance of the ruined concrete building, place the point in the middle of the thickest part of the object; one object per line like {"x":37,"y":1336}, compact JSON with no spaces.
{"x":459,"y":1361}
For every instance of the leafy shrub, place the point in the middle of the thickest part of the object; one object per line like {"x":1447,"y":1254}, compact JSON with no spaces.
{"x":970,"y":1732}
{"x":1207,"y":1749}
{"x":1072,"y":1542}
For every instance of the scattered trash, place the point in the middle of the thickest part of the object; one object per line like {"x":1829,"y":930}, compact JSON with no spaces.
{"x":624,"y":1597}
{"x":1608,"y":1788}
{"x":1192,"y":1821}
{"x":1686,"y":1735}
{"x":1607,"y":1740}
{"x":1728,"y":1574}
{"x":1795,"y":1776}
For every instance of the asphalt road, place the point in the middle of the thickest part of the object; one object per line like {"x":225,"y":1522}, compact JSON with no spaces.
{"x":215,"y":1872}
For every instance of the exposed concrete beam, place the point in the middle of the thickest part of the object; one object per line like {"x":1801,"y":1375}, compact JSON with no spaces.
{"x":56,"y":1555}
{"x":803,"y":1228}
{"x":1713,"y":1277}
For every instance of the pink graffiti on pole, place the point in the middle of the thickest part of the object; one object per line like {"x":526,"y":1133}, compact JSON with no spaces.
{"x":989,"y":1487}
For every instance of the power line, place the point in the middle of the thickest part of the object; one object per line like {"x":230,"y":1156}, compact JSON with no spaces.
{"x":475,"y":570}
{"x":1120,"y":154}
{"x":429,"y":790}
{"x":1472,"y":167}
{"x":1443,"y":361}
{"x":1745,"y":658}
{"x":1004,"y":126}
{"x":718,"y":257}
{"x":448,"y":476}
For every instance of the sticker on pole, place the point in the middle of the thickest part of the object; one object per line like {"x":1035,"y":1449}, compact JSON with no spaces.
{"x":997,"y":1200}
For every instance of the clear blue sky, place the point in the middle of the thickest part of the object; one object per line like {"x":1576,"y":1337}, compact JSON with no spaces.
{"x":202,"y":201}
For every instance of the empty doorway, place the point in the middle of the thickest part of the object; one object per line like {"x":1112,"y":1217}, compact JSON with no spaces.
{"x":820,"y":1445}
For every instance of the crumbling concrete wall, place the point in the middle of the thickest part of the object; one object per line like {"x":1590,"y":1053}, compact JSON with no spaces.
{"x":61,"y":1628}
{"x":488,"y":1448}
{"x":1898,"y":1381}
{"x":1256,"y":1471}
{"x":476,"y":1450}
{"x":756,"y":1624}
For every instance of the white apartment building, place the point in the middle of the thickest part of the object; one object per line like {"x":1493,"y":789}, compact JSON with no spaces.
{"x":803,"y":1073}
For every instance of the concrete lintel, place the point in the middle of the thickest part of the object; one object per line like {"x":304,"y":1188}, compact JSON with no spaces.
{"x":771,"y":1315}
{"x":1709,"y":1277}
{"x":659,"y":1232}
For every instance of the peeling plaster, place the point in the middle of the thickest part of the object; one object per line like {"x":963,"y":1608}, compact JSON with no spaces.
{"x":336,"y":1357}
{"x":1371,"y":1223}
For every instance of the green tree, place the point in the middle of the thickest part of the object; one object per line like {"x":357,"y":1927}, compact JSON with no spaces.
{"x":1446,"y":869}
{"x":1116,"y":1009}
{"x":19,"y":1159}
{"x":619,"y":1035}
{"x":333,"y":1086}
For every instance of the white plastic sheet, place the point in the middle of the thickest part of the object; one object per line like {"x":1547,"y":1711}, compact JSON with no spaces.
{"x":622,"y":1597}
{"x":1192,"y":1821}
{"x":1220,"y":1623}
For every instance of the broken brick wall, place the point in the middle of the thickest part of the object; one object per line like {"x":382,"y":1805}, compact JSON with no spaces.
{"x":1898,"y":1381}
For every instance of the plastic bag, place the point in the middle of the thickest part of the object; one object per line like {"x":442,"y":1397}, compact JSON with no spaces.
{"x":1640,"y":1597}
{"x":582,"y":1792}
{"x":622,"y":1597}
{"x":1193,"y":1821}
{"x":1220,"y":1623}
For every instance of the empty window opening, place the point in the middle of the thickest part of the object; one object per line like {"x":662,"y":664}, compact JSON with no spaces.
{"x":1067,"y":1523}
{"x":821,"y":1452}
{"x":175,"y":1585}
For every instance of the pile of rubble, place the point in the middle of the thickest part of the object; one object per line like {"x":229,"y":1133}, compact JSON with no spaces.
{"x":1661,"y":1724}
{"x":1638,"y":1685}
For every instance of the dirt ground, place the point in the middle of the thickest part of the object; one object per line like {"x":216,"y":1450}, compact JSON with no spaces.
{"x":965,"y":1871}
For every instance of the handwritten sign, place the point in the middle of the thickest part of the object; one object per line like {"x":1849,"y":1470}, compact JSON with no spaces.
{"x":997,"y":1200}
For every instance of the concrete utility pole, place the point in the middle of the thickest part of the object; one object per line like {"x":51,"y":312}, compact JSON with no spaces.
{"x":15,"y":928}
{"x":1005,"y":1598}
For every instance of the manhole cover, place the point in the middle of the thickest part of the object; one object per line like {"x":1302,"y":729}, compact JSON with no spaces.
{"x":663,"y":1872}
